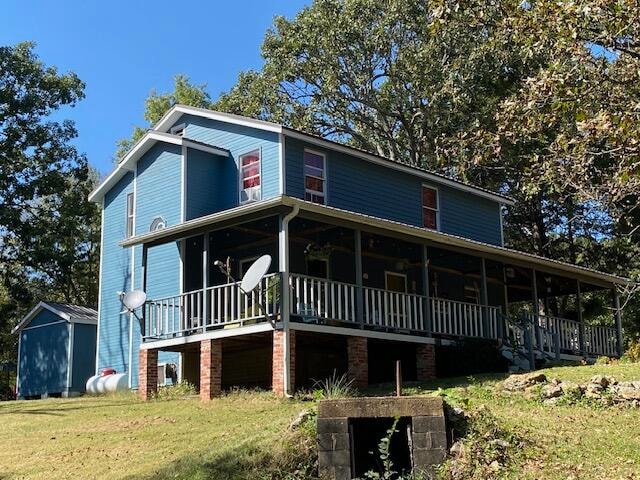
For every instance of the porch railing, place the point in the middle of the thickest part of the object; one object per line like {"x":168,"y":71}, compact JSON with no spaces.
{"x":315,"y":299}
{"x":323,"y":301}
{"x":599,"y":340}
{"x":403,"y":311}
{"x":464,"y":319}
{"x":318,"y":300}
{"x":217,"y":306}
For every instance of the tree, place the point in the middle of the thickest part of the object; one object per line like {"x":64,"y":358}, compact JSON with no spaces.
{"x":49,"y":242}
{"x":535,"y":99}
{"x":157,"y":104}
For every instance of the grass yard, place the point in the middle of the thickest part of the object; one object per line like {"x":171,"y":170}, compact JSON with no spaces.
{"x":242,"y":434}
{"x":122,"y":437}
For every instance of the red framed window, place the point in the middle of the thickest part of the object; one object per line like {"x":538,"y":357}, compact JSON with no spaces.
{"x":314,"y":177}
{"x":430,"y":207}
{"x":250,"y":177}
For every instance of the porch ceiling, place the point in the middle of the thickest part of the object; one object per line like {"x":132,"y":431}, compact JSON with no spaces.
{"x":374,"y":224}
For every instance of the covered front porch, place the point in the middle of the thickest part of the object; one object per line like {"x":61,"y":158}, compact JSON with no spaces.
{"x":337,"y":272}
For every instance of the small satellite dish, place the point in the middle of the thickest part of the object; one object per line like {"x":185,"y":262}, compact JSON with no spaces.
{"x":255,"y":273}
{"x":134,"y":299}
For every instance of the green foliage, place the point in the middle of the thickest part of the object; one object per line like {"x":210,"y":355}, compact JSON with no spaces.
{"x":335,"y":386}
{"x":486,"y":447}
{"x":50,"y":232}
{"x":176,"y":391}
{"x":157,"y":104}
{"x":633,"y":351}
{"x":384,"y":452}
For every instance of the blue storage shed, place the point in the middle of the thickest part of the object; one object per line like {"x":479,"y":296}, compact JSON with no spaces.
{"x":56,"y":350}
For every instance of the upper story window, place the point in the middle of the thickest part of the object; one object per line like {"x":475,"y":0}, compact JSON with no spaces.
{"x":250,"y":176}
{"x":430,"y":207}
{"x":130,"y":213}
{"x":315,"y":184}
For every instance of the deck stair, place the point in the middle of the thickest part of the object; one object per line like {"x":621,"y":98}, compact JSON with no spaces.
{"x":528,"y":346}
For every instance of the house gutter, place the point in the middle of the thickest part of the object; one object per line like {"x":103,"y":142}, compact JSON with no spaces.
{"x":284,"y":269}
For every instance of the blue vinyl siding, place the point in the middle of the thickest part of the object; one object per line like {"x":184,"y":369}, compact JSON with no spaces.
{"x":43,"y":359}
{"x":84,"y":355}
{"x":113,"y":345}
{"x":158,"y":192}
{"x":207,"y":176}
{"x":238,"y":140}
{"x":359,"y":186}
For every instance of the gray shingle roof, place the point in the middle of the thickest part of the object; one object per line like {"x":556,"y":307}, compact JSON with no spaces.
{"x":75,"y":312}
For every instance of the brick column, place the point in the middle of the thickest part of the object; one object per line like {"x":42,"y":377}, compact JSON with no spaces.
{"x":147,"y":373}
{"x":425,"y":362}
{"x":358,"y":357}
{"x":210,"y":369}
{"x":277,"y":364}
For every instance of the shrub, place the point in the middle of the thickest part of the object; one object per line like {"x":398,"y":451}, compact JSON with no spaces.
{"x":335,"y":386}
{"x":176,"y":391}
{"x":633,"y":351}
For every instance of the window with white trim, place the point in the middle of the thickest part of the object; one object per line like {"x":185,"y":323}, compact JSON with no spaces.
{"x":315,"y":185}
{"x":250,"y":177}
{"x":130,"y":213}
{"x":430,"y":208}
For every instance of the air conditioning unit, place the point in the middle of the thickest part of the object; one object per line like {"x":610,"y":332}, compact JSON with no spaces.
{"x":158,"y":223}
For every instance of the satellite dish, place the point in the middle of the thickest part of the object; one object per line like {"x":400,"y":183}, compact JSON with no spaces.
{"x":134,"y":299}
{"x":255,"y":273}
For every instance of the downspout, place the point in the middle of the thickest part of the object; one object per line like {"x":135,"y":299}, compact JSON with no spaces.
{"x":284,"y":269}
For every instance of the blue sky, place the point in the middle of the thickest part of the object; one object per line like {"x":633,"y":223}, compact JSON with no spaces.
{"x":124,"y":49}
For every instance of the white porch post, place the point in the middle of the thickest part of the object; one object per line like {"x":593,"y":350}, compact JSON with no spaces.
{"x":205,"y":279}
{"x":359,"y":291}
{"x":536,"y":306}
{"x":618,"y":316}
{"x":581,"y":342}
{"x":425,"y":282}
{"x":145,"y":251}
{"x":285,"y":293}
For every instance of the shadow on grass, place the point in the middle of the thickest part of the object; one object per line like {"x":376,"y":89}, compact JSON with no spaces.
{"x":56,"y":409}
{"x":245,"y":462}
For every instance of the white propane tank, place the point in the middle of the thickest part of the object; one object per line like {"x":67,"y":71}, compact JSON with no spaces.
{"x":115,"y":383}
{"x":92,"y":386}
{"x":100,"y":384}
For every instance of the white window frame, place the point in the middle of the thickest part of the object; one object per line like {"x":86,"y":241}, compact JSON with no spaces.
{"x":324,"y":260}
{"x":241,"y":178}
{"x":396,"y":274}
{"x":130,"y":215}
{"x":322,"y":194}
{"x":437,"y":210}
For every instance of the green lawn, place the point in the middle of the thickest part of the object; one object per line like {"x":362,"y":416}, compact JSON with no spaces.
{"x":242,"y":434}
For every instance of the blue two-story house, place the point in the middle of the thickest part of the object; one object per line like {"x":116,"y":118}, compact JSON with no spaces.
{"x":373,"y":261}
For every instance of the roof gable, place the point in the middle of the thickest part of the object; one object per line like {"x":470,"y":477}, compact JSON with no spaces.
{"x":64,"y":311}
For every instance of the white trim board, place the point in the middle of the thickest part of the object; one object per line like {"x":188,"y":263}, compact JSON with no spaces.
{"x":355,"y":332}
{"x":44,"y":305}
{"x":127,"y":164}
{"x":198,"y":337}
